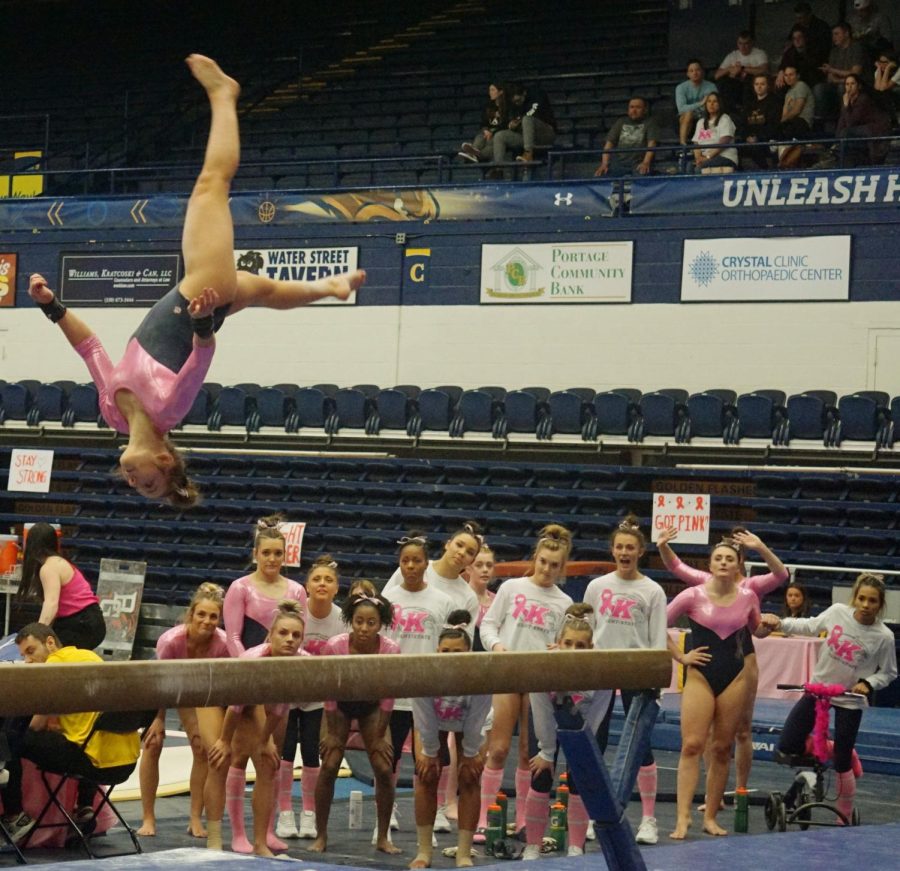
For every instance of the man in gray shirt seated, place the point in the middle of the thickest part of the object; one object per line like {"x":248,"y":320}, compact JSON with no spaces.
{"x":635,"y":130}
{"x":847,"y":57}
{"x":796,"y":117}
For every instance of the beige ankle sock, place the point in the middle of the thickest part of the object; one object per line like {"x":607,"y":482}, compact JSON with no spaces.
{"x":213,"y":834}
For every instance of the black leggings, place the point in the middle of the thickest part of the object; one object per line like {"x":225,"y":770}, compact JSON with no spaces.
{"x":84,"y":629}
{"x":303,"y":727}
{"x":628,"y":696}
{"x":401,"y":726}
{"x":800,"y":723}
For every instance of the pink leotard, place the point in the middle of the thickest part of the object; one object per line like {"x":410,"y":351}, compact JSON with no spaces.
{"x":165,"y":395}
{"x":172,"y":644}
{"x":76,"y":595}
{"x":249,"y":614}
{"x":259,"y":652}
{"x":340,"y":646}
{"x":759,"y":584}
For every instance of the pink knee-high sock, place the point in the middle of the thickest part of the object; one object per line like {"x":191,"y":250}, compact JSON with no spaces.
{"x":442,"y":786}
{"x":308,"y":787}
{"x":846,"y":781}
{"x":234,"y":803}
{"x":491,"y":781}
{"x":577,"y":821}
{"x":273,"y":842}
{"x":537,"y":812}
{"x":285,"y":785}
{"x":647,"y":787}
{"x":523,"y":787}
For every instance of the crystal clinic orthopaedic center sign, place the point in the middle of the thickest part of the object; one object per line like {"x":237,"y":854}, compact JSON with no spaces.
{"x":557,"y":272}
{"x":797,"y":268}
{"x":300,"y":264}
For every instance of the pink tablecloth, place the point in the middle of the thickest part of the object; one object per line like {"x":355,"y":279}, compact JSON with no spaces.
{"x":780,"y":660}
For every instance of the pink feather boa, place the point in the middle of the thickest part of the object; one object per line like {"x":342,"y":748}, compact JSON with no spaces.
{"x":824,"y":693}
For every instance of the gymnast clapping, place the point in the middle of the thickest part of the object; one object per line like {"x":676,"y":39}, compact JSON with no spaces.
{"x":154,"y":385}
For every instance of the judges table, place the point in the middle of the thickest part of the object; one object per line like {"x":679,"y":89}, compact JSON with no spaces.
{"x":780,"y":659}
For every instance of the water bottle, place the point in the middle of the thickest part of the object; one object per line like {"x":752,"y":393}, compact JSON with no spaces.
{"x":558,"y":825}
{"x":494,"y":831}
{"x":356,"y":809}
{"x":562,"y":794}
{"x":741,"y":809}
{"x":503,"y":801}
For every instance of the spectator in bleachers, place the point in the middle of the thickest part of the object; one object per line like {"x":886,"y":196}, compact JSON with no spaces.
{"x":257,"y":732}
{"x":634,"y":130}
{"x":870,"y":27}
{"x":796,"y":601}
{"x":689,"y":97}
{"x":198,"y":636}
{"x":494,"y":118}
{"x":68,"y":603}
{"x":798,"y":55}
{"x":818,"y":33}
{"x":796,"y":117}
{"x":531,"y":123}
{"x":365,"y":616}
{"x":713,"y":134}
{"x":887,"y":78}
{"x":734,"y":77}
{"x":323,"y":622}
{"x":861,"y":117}
{"x":759,"y":122}
{"x":154,"y":385}
{"x":846,"y":58}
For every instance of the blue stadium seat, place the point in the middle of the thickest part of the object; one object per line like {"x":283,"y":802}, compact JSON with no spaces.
{"x":235,"y":407}
{"x":353,"y":408}
{"x":571,"y":412}
{"x":497,"y":393}
{"x":616,"y":412}
{"x":314,"y":408}
{"x":435,"y":410}
{"x":509,"y":475}
{"x":828,"y":487}
{"x":761,"y":415}
{"x":466,"y":475}
{"x":15,"y":402}
{"x":462,"y":500}
{"x":328,"y":389}
{"x":776,"y":487}
{"x":200,"y":410}
{"x":664,"y":413}
{"x":870,"y":518}
{"x":370,"y":391}
{"x":865,"y":416}
{"x":84,"y":406}
{"x":775,"y":513}
{"x":479,"y":411}
{"x":555,"y":478}
{"x":411,"y":390}
{"x":869,"y":544}
{"x":819,"y":515}
{"x":868,"y":488}
{"x":819,"y":542}
{"x":49,"y":405}
{"x":506,"y":501}
{"x":525,"y":413}
{"x":596,"y":478}
{"x":812,"y":415}
{"x":394,"y":409}
{"x":275,"y":407}
{"x":452,"y":390}
{"x":713,"y":414}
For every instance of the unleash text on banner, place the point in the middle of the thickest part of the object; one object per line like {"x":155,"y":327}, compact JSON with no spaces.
{"x":557,"y":272}
{"x":300,"y":264}
{"x":766,"y":270}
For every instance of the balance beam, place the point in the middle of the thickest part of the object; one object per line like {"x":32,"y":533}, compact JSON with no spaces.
{"x":135,"y":686}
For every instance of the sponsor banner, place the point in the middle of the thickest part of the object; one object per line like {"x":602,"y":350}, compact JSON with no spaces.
{"x":771,"y":270}
{"x":575,"y":199}
{"x":748,"y":192}
{"x":29,"y":470}
{"x":120,"y":588}
{"x":299,"y":264}
{"x":8,"y":279}
{"x":687,"y":512}
{"x":117,"y":279}
{"x":557,"y":272}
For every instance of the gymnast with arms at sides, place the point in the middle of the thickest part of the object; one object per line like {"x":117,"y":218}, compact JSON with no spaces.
{"x":589,"y":707}
{"x":761,"y":585}
{"x":526,"y":615}
{"x":154,"y":386}
{"x":435,"y":720}
{"x":323,"y":622}
{"x":199,"y":636}
{"x":859,"y":654}
{"x":68,"y":603}
{"x":257,"y":732}
{"x":630,"y":612}
{"x":366,"y":615}
{"x":720,"y":612}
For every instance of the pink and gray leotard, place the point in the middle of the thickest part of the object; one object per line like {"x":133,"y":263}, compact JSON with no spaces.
{"x":249,"y":614}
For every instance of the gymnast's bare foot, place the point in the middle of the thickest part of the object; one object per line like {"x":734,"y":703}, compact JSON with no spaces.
{"x":196,"y":829}
{"x":420,"y":862}
{"x":711,"y":827}
{"x":385,"y":845}
{"x":38,"y":290}
{"x":681,"y":830}
{"x":147,"y":829}
{"x":206,"y":71}
{"x":340,"y":286}
{"x":320,"y":845}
